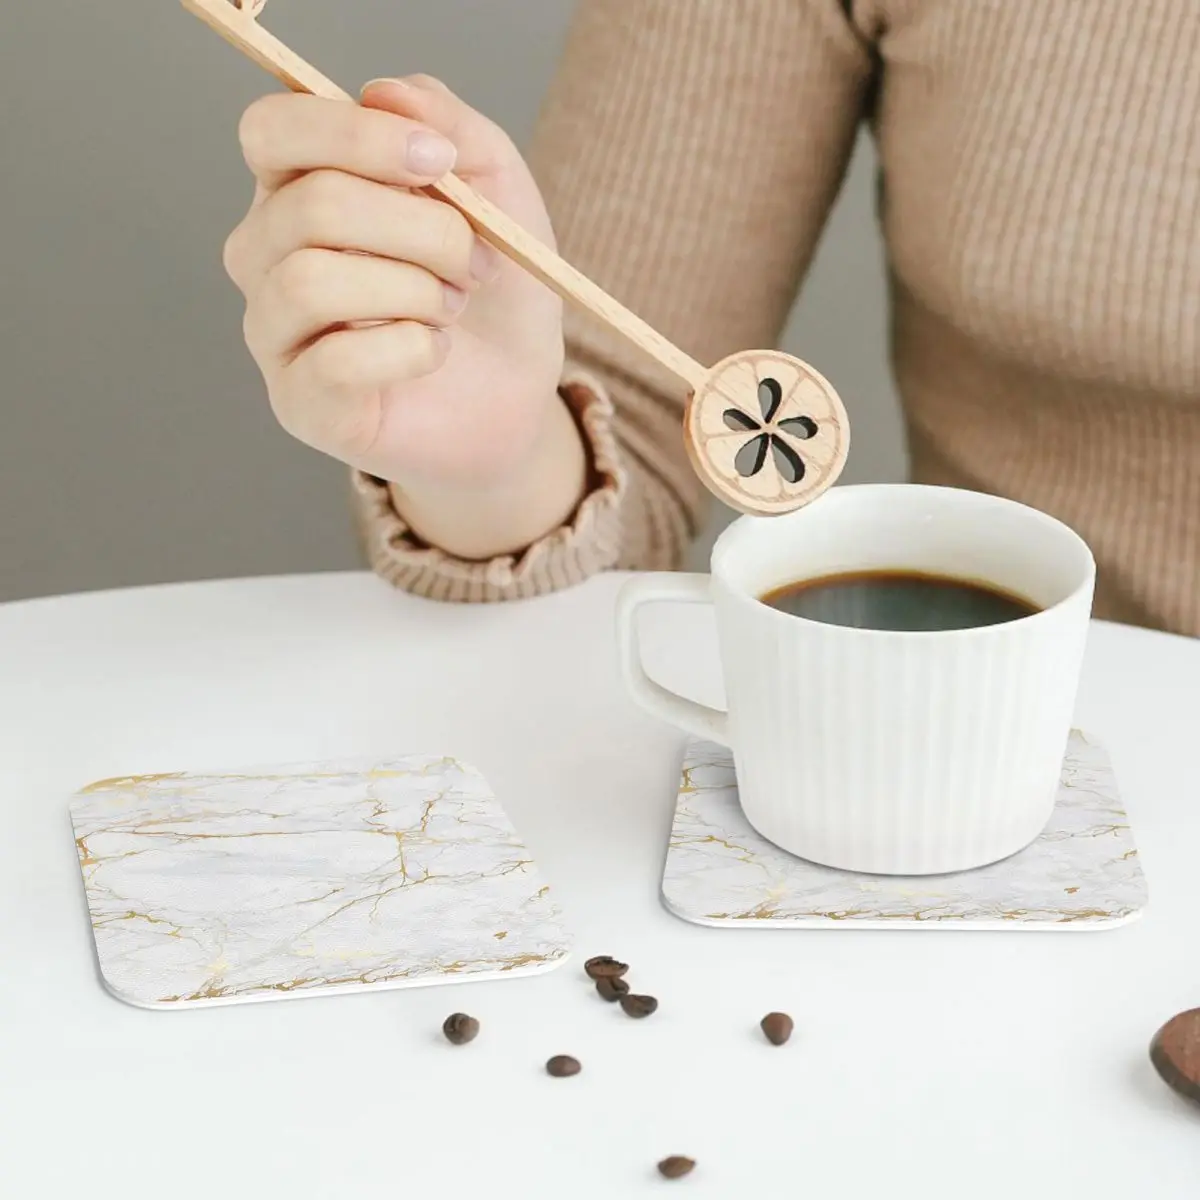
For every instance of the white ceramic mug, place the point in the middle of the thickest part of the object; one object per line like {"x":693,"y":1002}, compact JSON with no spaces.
{"x":898,"y":753}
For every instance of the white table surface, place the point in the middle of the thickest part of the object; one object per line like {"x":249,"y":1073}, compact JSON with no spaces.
{"x":926,"y":1065}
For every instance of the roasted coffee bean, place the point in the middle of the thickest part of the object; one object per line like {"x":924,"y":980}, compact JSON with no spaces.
{"x":561,"y":1066}
{"x":460,"y":1029}
{"x":604,"y":966}
{"x":639,"y":1006}
{"x":611,"y":987}
{"x":676,"y":1167}
{"x":1175,"y":1053}
{"x":778,"y":1027}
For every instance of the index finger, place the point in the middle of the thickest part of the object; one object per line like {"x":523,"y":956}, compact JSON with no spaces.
{"x":285,"y":135}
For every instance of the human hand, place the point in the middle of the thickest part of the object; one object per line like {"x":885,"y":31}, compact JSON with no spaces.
{"x":388,"y":334}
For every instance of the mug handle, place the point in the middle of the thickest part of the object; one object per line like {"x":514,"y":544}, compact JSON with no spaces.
{"x":711,"y":724}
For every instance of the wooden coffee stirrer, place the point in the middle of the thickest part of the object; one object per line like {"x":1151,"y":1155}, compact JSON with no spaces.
{"x":765,"y":431}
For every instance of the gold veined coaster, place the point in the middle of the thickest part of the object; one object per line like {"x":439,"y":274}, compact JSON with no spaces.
{"x":1082,"y":872}
{"x":308,"y":879}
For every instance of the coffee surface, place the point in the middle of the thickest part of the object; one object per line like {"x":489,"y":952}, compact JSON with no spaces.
{"x":907,"y":601}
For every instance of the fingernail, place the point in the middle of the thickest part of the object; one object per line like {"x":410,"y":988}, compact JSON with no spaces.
{"x":384,"y":79}
{"x":430,"y":154}
{"x":485,"y":263}
{"x":455,"y":299}
{"x":441,"y":341}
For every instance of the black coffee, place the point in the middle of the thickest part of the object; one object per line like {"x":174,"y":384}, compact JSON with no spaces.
{"x":898,"y":600}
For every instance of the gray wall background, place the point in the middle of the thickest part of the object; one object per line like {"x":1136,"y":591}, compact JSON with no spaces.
{"x":136,"y":445}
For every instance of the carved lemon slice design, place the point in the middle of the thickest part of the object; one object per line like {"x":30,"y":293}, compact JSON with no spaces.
{"x":766,"y":433}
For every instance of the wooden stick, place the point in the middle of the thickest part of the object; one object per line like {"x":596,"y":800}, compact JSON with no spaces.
{"x":240,"y":29}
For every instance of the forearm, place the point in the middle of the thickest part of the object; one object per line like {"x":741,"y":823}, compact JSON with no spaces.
{"x":478,"y":524}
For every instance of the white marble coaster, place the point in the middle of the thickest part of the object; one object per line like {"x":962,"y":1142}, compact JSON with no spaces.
{"x":1082,"y":873}
{"x":308,"y":878}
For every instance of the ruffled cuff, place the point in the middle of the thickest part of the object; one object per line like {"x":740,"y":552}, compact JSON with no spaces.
{"x":588,"y":544}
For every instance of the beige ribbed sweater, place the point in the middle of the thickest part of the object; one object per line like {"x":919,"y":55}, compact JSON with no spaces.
{"x":1040,"y":201}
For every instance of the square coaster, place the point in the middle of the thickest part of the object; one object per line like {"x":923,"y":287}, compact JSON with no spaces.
{"x":1082,"y":873}
{"x":306,"y":879}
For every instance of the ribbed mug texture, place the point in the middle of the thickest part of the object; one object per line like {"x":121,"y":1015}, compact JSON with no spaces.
{"x":903,"y":753}
{"x":900,"y":753}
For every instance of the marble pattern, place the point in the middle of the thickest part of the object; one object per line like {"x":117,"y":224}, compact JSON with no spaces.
{"x":1083,"y":872}
{"x":311,"y":878}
